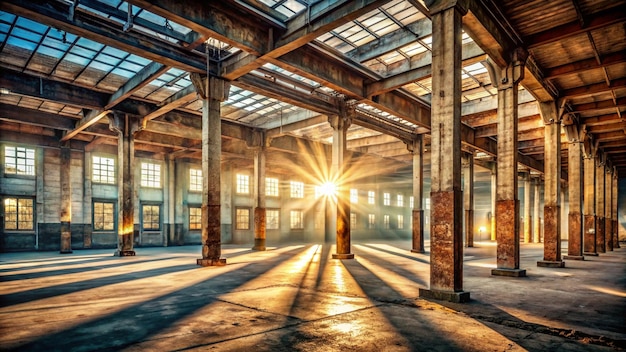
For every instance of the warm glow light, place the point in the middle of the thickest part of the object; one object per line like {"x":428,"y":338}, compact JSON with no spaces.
{"x":328,"y":189}
{"x":607,"y":290}
{"x":482,"y":229}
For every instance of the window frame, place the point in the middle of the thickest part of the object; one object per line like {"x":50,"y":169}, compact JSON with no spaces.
{"x":15,"y":158}
{"x":267,"y":218}
{"x":33,"y":214}
{"x":93,"y":215}
{"x":93,"y":170}
{"x":299,"y":225}
{"x":242,"y":183}
{"x":295,"y":187}
{"x":400,"y":222}
{"x":371,"y":197}
{"x":193,"y":179}
{"x":152,"y":175}
{"x":400,"y":200}
{"x":199,"y":216}
{"x":143,"y":220}
{"x":238,"y":223}
{"x":386,"y":199}
{"x":271,"y":186}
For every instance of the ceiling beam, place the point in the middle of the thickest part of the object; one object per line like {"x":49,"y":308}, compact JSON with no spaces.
{"x":585,"y":65}
{"x":592,"y":89}
{"x":108,"y":33}
{"x":138,"y":81}
{"x":34,"y":117}
{"x":567,"y":30}
{"x":90,"y":119}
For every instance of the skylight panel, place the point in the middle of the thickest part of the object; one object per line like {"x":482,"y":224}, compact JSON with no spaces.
{"x":32,"y":26}
{"x":48,"y":51}
{"x":21,"y":43}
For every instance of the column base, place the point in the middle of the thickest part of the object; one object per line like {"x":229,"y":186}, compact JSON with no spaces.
{"x":417,"y":251}
{"x":259,"y":244}
{"x":509,"y":272}
{"x":551,"y":264}
{"x":449,"y":296}
{"x":574,"y":257}
{"x":211,"y":262}
{"x":119,"y":253}
{"x":343,"y":256}
{"x":66,"y":252}
{"x":590,"y":254}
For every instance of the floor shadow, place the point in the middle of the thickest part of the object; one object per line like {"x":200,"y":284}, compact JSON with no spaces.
{"x":396,"y":269}
{"x":137,"y":323}
{"x":407,"y":256}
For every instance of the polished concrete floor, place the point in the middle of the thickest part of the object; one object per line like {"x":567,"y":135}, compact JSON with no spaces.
{"x":296,"y":298}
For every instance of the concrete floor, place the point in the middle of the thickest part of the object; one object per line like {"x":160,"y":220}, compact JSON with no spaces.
{"x":296,"y":298}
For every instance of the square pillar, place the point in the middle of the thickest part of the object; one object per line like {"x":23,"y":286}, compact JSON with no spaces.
{"x":417,"y":149}
{"x":446,"y":250}
{"x":468,"y":198}
{"x":600,"y":203}
{"x":211,"y":167}
{"x":340,"y":125}
{"x":574,"y":188}
{"x":527,"y":216}
{"x":66,"y":199}
{"x":608,"y":208}
{"x":589,"y":205}
{"x":552,"y":191}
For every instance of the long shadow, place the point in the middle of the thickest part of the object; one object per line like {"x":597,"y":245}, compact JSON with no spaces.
{"x":83,"y":260}
{"x":58,"y":272}
{"x":405,"y":321}
{"x":137,"y":323}
{"x":396,"y":269}
{"x":395,"y":253}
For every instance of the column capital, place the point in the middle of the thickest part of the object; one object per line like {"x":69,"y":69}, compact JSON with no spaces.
{"x":210,"y":87}
{"x":125,"y":124}
{"x":256,"y":139}
{"x":339,"y":122}
{"x":415,"y":145}
{"x":436,"y":6}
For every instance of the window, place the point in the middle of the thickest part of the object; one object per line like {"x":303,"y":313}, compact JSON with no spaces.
{"x":400,"y":200}
{"x":354,"y":195}
{"x":18,"y":214}
{"x":195,"y":180}
{"x":371,"y":221}
{"x":272,"y":220}
{"x":242,"y":219}
{"x":352,"y":220}
{"x":195,"y":218}
{"x":271,"y":187}
{"x":411,"y":202}
{"x":371,"y":197}
{"x":103,"y":170}
{"x":400,"y":221}
{"x":297,"y":189}
{"x":19,"y":161}
{"x":386,"y":221}
{"x":150,"y":175}
{"x":296,"y":219}
{"x":386,"y":199}
{"x":151,"y":217}
{"x":427,"y":203}
{"x":103,"y":216}
{"x":243,"y":184}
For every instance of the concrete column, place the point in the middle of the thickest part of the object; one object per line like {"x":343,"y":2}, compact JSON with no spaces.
{"x":468,"y":198}
{"x":418,"y":193}
{"x":259,"y":210}
{"x":494,"y":184}
{"x":600,"y":213}
{"x":615,"y":213}
{"x":126,"y":127}
{"x":446,"y":237}
{"x":536,"y":217}
{"x":608,"y":209}
{"x":507,"y":202}
{"x":574,"y":188}
{"x":66,"y":200}
{"x":552,"y":189}
{"x":527,"y":216}
{"x":340,"y":125}
{"x":589,"y":205}
{"x":211,"y":168}
{"x":170,"y":200}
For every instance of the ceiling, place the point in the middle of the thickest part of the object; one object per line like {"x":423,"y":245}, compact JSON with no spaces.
{"x":67,"y":65}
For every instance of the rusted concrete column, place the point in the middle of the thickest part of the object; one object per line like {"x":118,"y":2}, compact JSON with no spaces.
{"x":468,"y":198}
{"x":507,"y":202}
{"x":574,"y":187}
{"x":615,"y":208}
{"x":494,"y":186}
{"x":527,"y":216}
{"x":211,"y":168}
{"x":417,"y":149}
{"x":259,"y":189}
{"x":66,"y":200}
{"x":340,"y":125}
{"x":446,"y":237}
{"x":126,"y":127}
{"x":608,"y":208}
{"x":536,"y":208}
{"x":600,"y":199}
{"x":552,"y":189}
{"x":589,"y":204}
